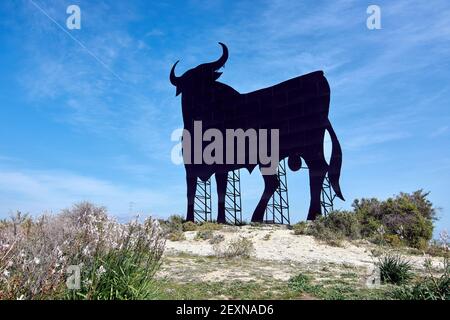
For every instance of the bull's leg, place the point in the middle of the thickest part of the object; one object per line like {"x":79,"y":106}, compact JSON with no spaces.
{"x":191,"y":183}
{"x":271,"y":184}
{"x":221,"y":181}
{"x":317,"y":171}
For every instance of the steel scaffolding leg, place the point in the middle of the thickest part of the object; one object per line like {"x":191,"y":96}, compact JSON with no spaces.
{"x":202,"y":202}
{"x":327,"y":197}
{"x":233,"y":203}
{"x":277,"y":210}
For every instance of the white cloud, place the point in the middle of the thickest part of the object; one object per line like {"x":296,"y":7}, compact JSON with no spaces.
{"x":440,"y":131}
{"x":365,"y":140}
{"x":40,"y":191}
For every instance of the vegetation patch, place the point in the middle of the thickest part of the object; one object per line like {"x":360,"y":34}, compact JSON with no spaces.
{"x":333,"y":289}
{"x":204,"y":235}
{"x":394,"y":269}
{"x":404,"y":220}
{"x":429,"y":287}
{"x":189,"y":226}
{"x":218,"y":238}
{"x":237,"y":248}
{"x":113,"y":260}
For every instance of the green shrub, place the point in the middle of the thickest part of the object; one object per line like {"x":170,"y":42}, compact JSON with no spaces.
{"x":393,"y":240}
{"x":344,"y":222}
{"x":173,"y":224}
{"x":204,"y":235}
{"x":426,"y":289}
{"x":213,"y":226}
{"x":173,"y":228}
{"x":369,"y":227}
{"x":409,"y":216}
{"x":300,"y":283}
{"x":321,"y":232}
{"x":431,"y":287}
{"x":237,"y":248}
{"x":300,"y":228}
{"x":418,"y":232}
{"x":189,"y":226}
{"x":176,"y":236}
{"x":218,"y":238}
{"x":394,"y":269}
{"x":119,"y":275}
{"x":335,"y":227}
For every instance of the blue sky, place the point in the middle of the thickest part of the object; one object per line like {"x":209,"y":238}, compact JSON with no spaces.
{"x":72,"y":128}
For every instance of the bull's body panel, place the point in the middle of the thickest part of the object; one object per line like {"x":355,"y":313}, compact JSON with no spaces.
{"x":297,"y":107}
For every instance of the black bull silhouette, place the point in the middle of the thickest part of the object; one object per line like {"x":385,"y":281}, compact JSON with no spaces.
{"x":298,"y":108}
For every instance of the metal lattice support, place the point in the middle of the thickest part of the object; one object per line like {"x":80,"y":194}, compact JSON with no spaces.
{"x":327,"y":197}
{"x":233,"y":203}
{"x":202,"y":202}
{"x":277,"y":210}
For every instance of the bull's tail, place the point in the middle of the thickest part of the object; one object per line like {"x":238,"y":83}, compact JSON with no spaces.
{"x":334,"y":169}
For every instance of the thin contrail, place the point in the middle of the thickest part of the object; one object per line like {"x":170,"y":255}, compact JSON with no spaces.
{"x":77,"y":41}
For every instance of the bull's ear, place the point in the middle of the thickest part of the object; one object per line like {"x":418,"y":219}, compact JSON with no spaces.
{"x":178,"y":91}
{"x":217,"y":75}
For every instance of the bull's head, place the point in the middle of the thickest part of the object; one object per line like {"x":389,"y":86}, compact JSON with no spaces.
{"x":200,"y":76}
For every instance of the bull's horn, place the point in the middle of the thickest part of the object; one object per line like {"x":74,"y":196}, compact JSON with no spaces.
{"x":173,"y":77}
{"x":221,"y":62}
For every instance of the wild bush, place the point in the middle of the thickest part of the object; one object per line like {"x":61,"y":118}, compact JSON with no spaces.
{"x":125,"y":272}
{"x":393,"y":240}
{"x":406,"y":219}
{"x":218,"y":238}
{"x":204,"y":235}
{"x":36,"y":253}
{"x":173,"y":224}
{"x":238,"y":248}
{"x":433,"y":286}
{"x":344,"y":222}
{"x":394,"y":269}
{"x":409,"y":216}
{"x":213,"y":226}
{"x":176,"y":236}
{"x":189,"y":226}
{"x":173,"y":228}
{"x":300,"y":228}
{"x":300,"y":283}
{"x":322,"y":233}
{"x":335,"y":227}
{"x":426,"y":289}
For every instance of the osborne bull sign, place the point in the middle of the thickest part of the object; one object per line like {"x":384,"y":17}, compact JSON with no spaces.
{"x":225,"y":130}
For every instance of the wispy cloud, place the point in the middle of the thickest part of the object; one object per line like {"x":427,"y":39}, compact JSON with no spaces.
{"x":39,"y":191}
{"x":440,"y":131}
{"x":366,"y":140}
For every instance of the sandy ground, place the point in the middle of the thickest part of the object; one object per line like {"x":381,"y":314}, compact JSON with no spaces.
{"x":285,"y":247}
{"x":279,"y":255}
